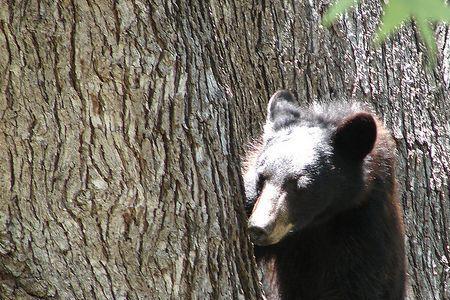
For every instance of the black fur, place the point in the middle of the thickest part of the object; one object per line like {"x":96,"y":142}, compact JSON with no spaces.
{"x":347,"y":242}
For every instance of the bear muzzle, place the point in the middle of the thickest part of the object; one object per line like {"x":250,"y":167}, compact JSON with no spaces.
{"x":258,"y":235}
{"x":269,"y":221}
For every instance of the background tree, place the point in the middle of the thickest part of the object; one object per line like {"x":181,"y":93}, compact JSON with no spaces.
{"x":122,"y":126}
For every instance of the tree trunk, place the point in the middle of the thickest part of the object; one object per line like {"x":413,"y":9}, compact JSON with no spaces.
{"x":122,"y":125}
{"x":120,"y":173}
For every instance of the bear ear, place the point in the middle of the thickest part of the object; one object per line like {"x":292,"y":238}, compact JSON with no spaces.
{"x":356,"y":136}
{"x":282,"y":106}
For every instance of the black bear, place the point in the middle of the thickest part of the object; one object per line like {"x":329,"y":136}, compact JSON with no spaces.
{"x":321,"y":200}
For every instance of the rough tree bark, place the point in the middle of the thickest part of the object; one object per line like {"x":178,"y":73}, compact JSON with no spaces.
{"x":122,"y":124}
{"x":120,"y":173}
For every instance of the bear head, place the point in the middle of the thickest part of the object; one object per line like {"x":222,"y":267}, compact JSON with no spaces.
{"x":308,"y":167}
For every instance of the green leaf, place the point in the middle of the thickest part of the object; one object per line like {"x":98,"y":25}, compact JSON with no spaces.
{"x":427,"y":35}
{"x":395,"y":14}
{"x":337,"y":9}
{"x":398,"y":12}
{"x":432,"y":10}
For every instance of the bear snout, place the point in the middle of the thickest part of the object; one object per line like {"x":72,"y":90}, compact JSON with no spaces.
{"x":258,"y":235}
{"x":269,"y":221}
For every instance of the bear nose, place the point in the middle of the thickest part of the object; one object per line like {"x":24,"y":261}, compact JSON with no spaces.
{"x":257,"y":234}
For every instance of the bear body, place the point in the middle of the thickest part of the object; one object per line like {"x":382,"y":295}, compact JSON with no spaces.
{"x":321,"y":199}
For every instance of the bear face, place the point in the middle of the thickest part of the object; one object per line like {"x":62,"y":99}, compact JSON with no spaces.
{"x":307,"y":169}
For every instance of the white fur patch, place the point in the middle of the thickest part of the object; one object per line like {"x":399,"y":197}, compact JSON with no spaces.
{"x":298,"y":149}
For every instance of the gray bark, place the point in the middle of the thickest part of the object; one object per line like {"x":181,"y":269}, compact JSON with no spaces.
{"x":121,"y":127}
{"x":120,"y":174}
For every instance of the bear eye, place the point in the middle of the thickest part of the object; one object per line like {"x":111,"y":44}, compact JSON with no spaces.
{"x":260,"y":183}
{"x":299,"y":182}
